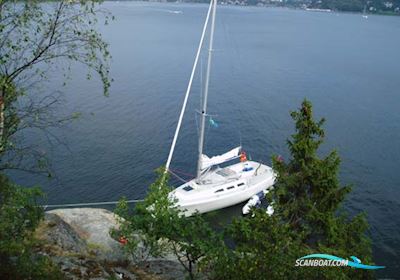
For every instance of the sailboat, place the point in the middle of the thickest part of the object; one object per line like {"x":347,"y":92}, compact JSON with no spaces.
{"x":216,"y":187}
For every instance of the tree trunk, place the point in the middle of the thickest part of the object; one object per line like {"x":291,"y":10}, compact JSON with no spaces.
{"x":1,"y":121}
{"x":191,"y":275}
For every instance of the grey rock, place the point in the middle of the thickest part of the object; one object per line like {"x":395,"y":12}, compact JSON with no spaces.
{"x":123,"y":273}
{"x":93,"y":225}
{"x":59,"y":233}
{"x":166,"y":269}
{"x":78,"y":240}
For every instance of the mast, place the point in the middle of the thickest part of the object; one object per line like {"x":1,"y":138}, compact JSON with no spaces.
{"x":178,"y":127}
{"x":203,"y":111}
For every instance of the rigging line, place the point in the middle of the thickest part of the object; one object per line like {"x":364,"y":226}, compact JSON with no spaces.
{"x":240,"y":137}
{"x":178,"y":127}
{"x":238,"y":127}
{"x":88,"y":204}
{"x":230,"y":42}
{"x":230,"y":37}
{"x":197,"y":124}
{"x":177,"y":176}
{"x":183,"y":173}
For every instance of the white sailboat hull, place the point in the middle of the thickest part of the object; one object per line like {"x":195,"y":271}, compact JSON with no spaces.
{"x":224,"y":187}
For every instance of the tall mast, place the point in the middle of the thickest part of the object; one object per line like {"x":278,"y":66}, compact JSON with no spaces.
{"x":178,"y":127}
{"x":207,"y":82}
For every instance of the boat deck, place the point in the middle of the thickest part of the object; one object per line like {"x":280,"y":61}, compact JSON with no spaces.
{"x":234,"y":172}
{"x":240,"y":172}
{"x":223,"y":187}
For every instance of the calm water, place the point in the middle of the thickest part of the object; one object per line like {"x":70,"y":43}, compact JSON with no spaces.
{"x":266,"y":62}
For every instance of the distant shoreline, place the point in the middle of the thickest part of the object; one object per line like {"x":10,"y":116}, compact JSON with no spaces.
{"x":244,"y":3}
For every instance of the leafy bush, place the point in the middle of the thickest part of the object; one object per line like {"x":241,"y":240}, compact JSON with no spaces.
{"x":19,"y":217}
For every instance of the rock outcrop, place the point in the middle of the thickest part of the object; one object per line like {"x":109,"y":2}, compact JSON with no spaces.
{"x":57,"y":233}
{"x":79,"y":241}
{"x":93,"y":226}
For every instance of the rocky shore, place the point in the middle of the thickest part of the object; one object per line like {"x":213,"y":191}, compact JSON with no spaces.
{"x":78,"y":240}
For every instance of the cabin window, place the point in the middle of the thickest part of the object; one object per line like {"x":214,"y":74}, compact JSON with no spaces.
{"x":231,"y":187}
{"x":220,"y":190}
{"x":188,"y":188}
{"x":241,"y":184}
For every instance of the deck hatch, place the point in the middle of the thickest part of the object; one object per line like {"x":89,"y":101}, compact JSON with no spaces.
{"x":188,"y":188}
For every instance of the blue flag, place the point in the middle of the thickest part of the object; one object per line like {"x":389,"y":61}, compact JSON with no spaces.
{"x":213,"y":123}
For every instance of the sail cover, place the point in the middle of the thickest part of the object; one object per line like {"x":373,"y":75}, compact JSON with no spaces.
{"x":206,"y":162}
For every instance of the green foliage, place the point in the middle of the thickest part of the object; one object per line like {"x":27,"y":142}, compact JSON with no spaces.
{"x":340,"y":5}
{"x":370,"y":6}
{"x":37,"y":38}
{"x":163,"y":229}
{"x":151,"y":218}
{"x":19,"y":217}
{"x":308,"y":189}
{"x":35,"y":32}
{"x":308,"y":197}
{"x":263,"y":249}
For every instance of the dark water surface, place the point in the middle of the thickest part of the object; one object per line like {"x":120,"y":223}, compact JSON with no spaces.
{"x":266,"y":61}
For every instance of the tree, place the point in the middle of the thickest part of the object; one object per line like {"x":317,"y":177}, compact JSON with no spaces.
{"x":263,"y":248}
{"x":19,"y":217}
{"x":307,"y":218}
{"x":308,"y":188}
{"x":35,"y":38}
{"x":163,"y":229}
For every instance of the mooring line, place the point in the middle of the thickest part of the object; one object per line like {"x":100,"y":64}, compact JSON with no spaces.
{"x":88,"y":204}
